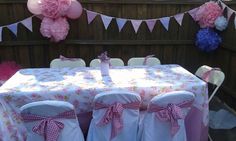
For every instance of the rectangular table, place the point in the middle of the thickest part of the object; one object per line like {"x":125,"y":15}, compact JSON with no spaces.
{"x":79,"y":86}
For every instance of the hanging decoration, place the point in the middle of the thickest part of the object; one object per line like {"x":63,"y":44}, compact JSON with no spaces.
{"x":56,"y":27}
{"x":13,"y":27}
{"x":207,"y":40}
{"x":221,"y":23}
{"x":55,"y":12}
{"x":210,"y":16}
{"x":207,"y":14}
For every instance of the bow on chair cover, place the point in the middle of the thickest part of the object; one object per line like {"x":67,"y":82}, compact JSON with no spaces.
{"x":48,"y":127}
{"x":114,"y":115}
{"x":146,"y":58}
{"x":63,"y":58}
{"x":172,"y":113}
{"x":207,"y":74}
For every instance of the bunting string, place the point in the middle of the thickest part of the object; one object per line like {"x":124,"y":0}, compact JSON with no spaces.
{"x":14,"y":26}
{"x":106,"y":20}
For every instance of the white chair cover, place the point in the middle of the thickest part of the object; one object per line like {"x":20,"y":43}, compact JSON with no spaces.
{"x":130,"y":117}
{"x":153,"y":129}
{"x":48,"y":108}
{"x":68,"y":63}
{"x":139,"y":61}
{"x":215,"y":76}
{"x":113,"y":62}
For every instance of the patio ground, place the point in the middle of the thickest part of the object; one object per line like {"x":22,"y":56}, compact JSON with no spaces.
{"x":219,"y":134}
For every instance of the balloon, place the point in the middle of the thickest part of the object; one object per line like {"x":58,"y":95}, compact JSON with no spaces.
{"x":34,"y":6}
{"x":75,"y":10}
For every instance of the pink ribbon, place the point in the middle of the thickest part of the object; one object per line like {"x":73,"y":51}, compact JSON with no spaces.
{"x":48,"y":127}
{"x":114,"y":115}
{"x":171,"y":113}
{"x":207,"y":74}
{"x":63,"y":58}
{"x":146,"y":58}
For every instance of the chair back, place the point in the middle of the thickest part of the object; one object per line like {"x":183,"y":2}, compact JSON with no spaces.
{"x":49,"y":119}
{"x":67,"y":63}
{"x":165,"y":117}
{"x":113,"y":62}
{"x":139,"y":61}
{"x":211,"y":75}
{"x":123,"y":109}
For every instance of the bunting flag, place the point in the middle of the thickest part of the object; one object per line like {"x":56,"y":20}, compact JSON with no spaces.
{"x":165,"y":22}
{"x":106,"y":20}
{"x":179,"y":18}
{"x":13,"y":28}
{"x":136,"y":24}
{"x":120,"y":23}
{"x":223,"y":5}
{"x":0,"y":34}
{"x":229,"y":12}
{"x":28,"y":23}
{"x":193,"y":12}
{"x":151,"y":23}
{"x":91,"y":16}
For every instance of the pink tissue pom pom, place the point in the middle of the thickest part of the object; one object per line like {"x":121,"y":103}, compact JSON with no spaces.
{"x":45,"y":27}
{"x":54,"y":8}
{"x":208,"y":13}
{"x":55,"y":29}
{"x":59,"y":29}
{"x":7,"y":69}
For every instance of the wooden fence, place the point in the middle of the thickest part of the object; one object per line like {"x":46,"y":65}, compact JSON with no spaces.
{"x":30,"y":49}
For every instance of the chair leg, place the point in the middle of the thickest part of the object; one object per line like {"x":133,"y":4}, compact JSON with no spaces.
{"x":210,"y":137}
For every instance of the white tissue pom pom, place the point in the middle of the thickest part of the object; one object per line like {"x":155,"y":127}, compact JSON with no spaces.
{"x":221,"y":23}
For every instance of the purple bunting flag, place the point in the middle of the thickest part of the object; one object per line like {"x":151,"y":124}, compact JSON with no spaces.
{"x":0,"y":34}
{"x":151,"y":23}
{"x":120,"y":23}
{"x":193,"y":12}
{"x":13,"y":28}
{"x":106,"y":20}
{"x":28,"y":23}
{"x":229,"y":12}
{"x":91,"y":16}
{"x":165,"y":22}
{"x":136,"y":24}
{"x":179,"y":18}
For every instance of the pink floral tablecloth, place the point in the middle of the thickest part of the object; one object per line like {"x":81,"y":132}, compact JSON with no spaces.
{"x":79,"y":86}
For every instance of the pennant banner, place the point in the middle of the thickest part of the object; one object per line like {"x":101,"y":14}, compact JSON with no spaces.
{"x":90,"y":16}
{"x":106,"y":20}
{"x":120,"y":23}
{"x":28,"y":23}
{"x":165,"y":22}
{"x":136,"y":24}
{"x":179,"y":18}
{"x":151,"y":24}
{"x":13,"y":28}
{"x":229,"y":12}
{"x":193,"y":12}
